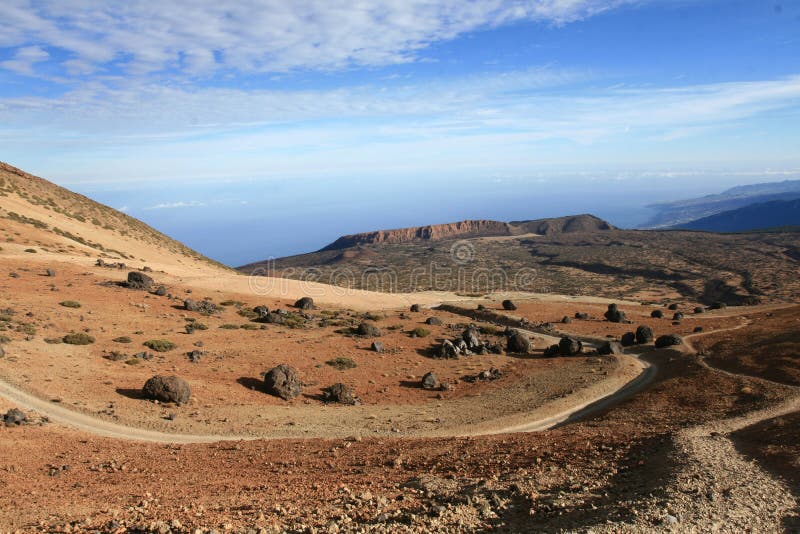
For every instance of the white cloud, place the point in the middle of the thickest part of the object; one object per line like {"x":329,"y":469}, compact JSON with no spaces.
{"x":25,"y":59}
{"x":180,"y":204}
{"x":201,"y":36}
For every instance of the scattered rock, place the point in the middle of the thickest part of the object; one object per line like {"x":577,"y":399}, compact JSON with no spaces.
{"x":415,"y":308}
{"x":672,"y":307}
{"x":471,"y":337}
{"x":339,"y":393}
{"x":518,"y":343}
{"x":566,"y":320}
{"x":138,"y":280}
{"x":677,"y":316}
{"x":657,"y":314}
{"x":429,"y":381}
{"x":582,"y":316}
{"x":282,"y":381}
{"x":161,"y":291}
{"x":167,"y":389}
{"x":699,"y":309}
{"x":668,"y":340}
{"x":644,"y":334}
{"x":195,"y":356}
{"x":628,"y":339}
{"x":305,"y":303}
{"x":433,"y":321}
{"x":484,"y":376}
{"x":376,"y":346}
{"x":368,"y":330}
{"x":509,"y":305}
{"x":50,"y":272}
{"x":261,"y":311}
{"x":569,"y":346}
{"x":698,"y":329}
{"x":610,"y":347}
{"x":14,"y":416}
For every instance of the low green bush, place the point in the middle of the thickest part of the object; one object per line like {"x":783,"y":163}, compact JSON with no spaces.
{"x":159,"y":345}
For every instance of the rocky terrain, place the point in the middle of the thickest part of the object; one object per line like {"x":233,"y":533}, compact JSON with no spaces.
{"x":144,"y":388}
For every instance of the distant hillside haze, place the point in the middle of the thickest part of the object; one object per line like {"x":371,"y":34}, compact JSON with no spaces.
{"x":681,"y":212}
{"x":759,"y":216}
{"x":474,"y":228}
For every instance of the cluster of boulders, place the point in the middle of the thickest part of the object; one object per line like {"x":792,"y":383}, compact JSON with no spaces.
{"x":468,"y":344}
{"x":615,"y":315}
{"x":567,"y":346}
{"x":642,"y":335}
{"x":206,"y":307}
{"x":484,"y":376}
{"x":14,"y":417}
{"x":102,"y":263}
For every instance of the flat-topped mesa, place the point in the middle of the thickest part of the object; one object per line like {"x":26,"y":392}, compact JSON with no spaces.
{"x":474,"y":228}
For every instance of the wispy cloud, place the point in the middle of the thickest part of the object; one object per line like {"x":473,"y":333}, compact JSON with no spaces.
{"x":198,"y":37}
{"x":175,"y":205}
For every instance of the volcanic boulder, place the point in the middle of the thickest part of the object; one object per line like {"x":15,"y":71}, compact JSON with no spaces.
{"x":14,"y":416}
{"x":657,"y":314}
{"x":339,"y":393}
{"x":569,"y":346}
{"x":644,"y":334}
{"x":615,"y":315}
{"x":305,"y":303}
{"x":509,"y":306}
{"x":628,"y":339}
{"x":415,"y":308}
{"x":433,"y":321}
{"x":610,"y":347}
{"x":673,"y":307}
{"x":368,"y":330}
{"x":699,"y":309}
{"x":167,"y":389}
{"x":668,"y":340}
{"x":518,"y":343}
{"x":581,"y":315}
{"x":471,"y":337}
{"x":429,"y":381}
{"x":376,"y":346}
{"x":677,"y":317}
{"x":282,"y":381}
{"x":137,"y":280}
{"x":448,"y":350}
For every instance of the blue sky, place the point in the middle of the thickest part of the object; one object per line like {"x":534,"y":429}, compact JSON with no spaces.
{"x":258,"y":128}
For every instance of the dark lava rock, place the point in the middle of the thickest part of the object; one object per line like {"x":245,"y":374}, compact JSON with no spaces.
{"x":137,"y":280}
{"x":677,"y":317}
{"x":339,"y":393}
{"x":161,"y":291}
{"x":657,"y":314}
{"x":167,"y":389}
{"x":644,"y":334}
{"x":509,"y":306}
{"x":429,"y":381}
{"x":14,"y":416}
{"x":369,"y":330}
{"x":433,"y":321}
{"x":610,"y":347}
{"x":471,"y":337}
{"x":552,"y":351}
{"x":581,"y":315}
{"x":415,"y":308}
{"x":518,"y":343}
{"x":282,"y":381}
{"x":698,"y":329}
{"x":483,"y":376}
{"x":699,"y":309}
{"x":50,"y":272}
{"x":261,"y":311}
{"x":615,"y":315}
{"x":146,"y":356}
{"x":672,"y":307}
{"x":195,"y":356}
{"x":628,"y":339}
{"x":566,"y":320}
{"x":569,"y":346}
{"x":448,"y":350}
{"x":305,"y":303}
{"x":376,"y":346}
{"x":668,"y":340}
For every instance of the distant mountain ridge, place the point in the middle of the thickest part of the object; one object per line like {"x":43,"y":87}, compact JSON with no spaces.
{"x":472,"y":228}
{"x":680,"y":212}
{"x":759,"y":216}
